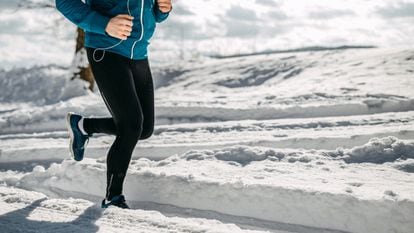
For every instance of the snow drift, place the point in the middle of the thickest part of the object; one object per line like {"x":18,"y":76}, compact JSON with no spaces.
{"x":307,"y":187}
{"x":39,"y":85}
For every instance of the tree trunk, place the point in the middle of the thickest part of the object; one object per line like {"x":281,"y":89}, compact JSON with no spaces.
{"x":80,"y":65}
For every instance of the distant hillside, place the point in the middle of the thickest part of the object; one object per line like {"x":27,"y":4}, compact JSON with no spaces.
{"x":304,"y":49}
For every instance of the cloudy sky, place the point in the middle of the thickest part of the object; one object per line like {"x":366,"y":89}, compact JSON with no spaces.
{"x":200,"y":27}
{"x":277,"y":24}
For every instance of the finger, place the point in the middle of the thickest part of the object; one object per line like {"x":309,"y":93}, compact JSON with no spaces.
{"x":125,"y":22}
{"x":125,"y":16}
{"x":165,"y":9}
{"x":126,"y":28}
{"x":164,"y":4}
{"x":126,"y":32}
{"x":122,"y":36}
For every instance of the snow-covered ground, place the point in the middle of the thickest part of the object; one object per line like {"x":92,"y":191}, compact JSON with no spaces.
{"x":299,"y":142}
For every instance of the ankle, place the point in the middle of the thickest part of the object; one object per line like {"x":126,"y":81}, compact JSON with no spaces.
{"x":81,"y":126}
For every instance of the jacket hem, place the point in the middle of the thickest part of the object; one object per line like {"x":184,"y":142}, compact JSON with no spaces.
{"x":104,"y":42}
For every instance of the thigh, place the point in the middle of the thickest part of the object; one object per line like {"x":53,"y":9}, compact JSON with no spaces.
{"x":145,"y":90}
{"x":115,"y":82}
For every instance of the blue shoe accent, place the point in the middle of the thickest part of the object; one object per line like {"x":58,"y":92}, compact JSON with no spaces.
{"x":118,"y":201}
{"x":78,"y":140}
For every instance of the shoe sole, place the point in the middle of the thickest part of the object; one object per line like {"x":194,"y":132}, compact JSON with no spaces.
{"x":71,"y":135}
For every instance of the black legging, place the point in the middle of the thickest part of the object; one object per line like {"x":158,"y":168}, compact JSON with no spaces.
{"x":127,"y":89}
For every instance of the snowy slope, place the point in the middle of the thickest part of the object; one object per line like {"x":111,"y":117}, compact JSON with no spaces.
{"x":299,"y":142}
{"x":312,"y":84}
{"x":332,"y":83}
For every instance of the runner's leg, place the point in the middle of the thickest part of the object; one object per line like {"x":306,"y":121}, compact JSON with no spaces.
{"x":145,"y":89}
{"x":116,"y":84}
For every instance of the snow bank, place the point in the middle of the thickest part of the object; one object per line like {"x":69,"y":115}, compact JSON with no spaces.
{"x":24,"y":211}
{"x":381,"y":150}
{"x":181,"y":111}
{"x":51,"y":117}
{"x":39,"y":85}
{"x":405,"y":165}
{"x":308,"y":133}
{"x":307,"y":187}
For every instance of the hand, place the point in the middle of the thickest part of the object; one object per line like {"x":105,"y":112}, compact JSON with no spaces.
{"x":120,"y":26}
{"x":164,"y":5}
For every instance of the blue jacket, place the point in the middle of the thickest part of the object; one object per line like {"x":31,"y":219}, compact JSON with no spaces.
{"x":93,"y":16}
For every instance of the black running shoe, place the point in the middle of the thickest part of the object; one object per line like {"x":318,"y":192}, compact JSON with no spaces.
{"x":118,"y":201}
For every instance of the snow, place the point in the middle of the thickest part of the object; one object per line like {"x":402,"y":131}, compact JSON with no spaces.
{"x":42,"y":85}
{"x":304,"y":187}
{"x":299,"y":142}
{"x":318,"y":90}
{"x":315,"y":141}
{"x":380,"y":151}
{"x":24,"y":211}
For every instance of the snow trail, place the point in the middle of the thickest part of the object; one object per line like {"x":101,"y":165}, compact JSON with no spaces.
{"x":24,"y":211}
{"x":309,"y":133}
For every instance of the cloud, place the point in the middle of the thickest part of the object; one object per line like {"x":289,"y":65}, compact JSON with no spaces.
{"x":276,"y":14}
{"x":241,"y":29}
{"x":240,"y":22}
{"x":240,"y":13}
{"x":7,"y":4}
{"x":267,"y":2}
{"x":182,"y":29}
{"x":181,"y":10}
{"x":405,"y":9}
{"x":13,"y":26}
{"x":330,"y":14}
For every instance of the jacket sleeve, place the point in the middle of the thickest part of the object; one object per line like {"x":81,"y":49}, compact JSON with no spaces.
{"x":160,"y":16}
{"x":82,"y":15}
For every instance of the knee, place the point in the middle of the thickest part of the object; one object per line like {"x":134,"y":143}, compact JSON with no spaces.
{"x":147,"y":132}
{"x":132,"y":128}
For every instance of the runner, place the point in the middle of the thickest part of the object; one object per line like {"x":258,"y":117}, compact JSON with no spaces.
{"x":117,"y":34}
